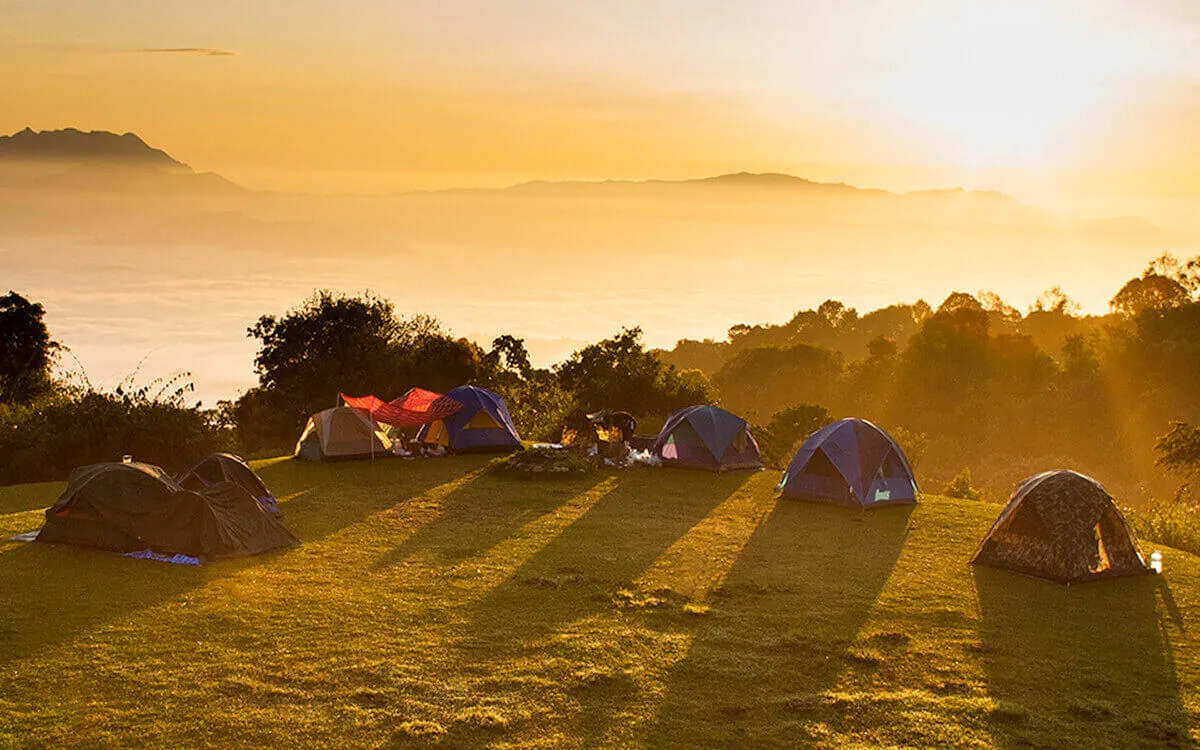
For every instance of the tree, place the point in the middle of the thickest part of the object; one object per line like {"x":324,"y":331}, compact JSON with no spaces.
{"x":778,"y":438}
{"x":1186,"y":273}
{"x":356,"y":345}
{"x":766,"y":379}
{"x":1151,"y":291}
{"x":618,"y":373}
{"x":994,"y":303}
{"x":1055,"y":300}
{"x":948,"y":357}
{"x":1179,"y":449}
{"x":509,"y":355}
{"x":27,"y":354}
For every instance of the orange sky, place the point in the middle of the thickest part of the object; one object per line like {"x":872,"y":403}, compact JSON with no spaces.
{"x":1089,"y":106}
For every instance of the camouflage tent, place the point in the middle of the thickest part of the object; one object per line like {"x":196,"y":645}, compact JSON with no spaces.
{"x":1064,"y":527}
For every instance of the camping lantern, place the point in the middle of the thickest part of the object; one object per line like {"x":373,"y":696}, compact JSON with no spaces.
{"x":1156,"y":561}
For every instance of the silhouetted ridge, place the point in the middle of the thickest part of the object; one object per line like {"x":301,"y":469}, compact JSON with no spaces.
{"x":70,"y":144}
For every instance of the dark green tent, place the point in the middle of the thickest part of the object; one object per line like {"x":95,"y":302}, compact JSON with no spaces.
{"x":226,"y":467}
{"x":130,"y":507}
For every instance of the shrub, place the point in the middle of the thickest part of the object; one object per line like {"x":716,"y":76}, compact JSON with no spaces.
{"x":1172,"y":523}
{"x":778,"y":439}
{"x":960,"y":486}
{"x":45,"y":440}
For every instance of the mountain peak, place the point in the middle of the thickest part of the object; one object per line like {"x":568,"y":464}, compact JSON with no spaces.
{"x":95,"y":147}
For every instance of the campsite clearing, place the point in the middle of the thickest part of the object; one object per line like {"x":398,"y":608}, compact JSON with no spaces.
{"x":432,"y":601}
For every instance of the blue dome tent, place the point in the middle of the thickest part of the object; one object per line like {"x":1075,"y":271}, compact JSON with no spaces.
{"x":852,"y":463}
{"x":706,"y":437}
{"x":483,"y":424}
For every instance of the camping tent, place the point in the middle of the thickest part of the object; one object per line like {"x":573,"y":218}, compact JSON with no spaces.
{"x":483,"y":424}
{"x":130,"y":507}
{"x":341,"y":432}
{"x":1064,"y":527}
{"x":706,"y":437}
{"x":853,"y":463}
{"x":226,"y":467}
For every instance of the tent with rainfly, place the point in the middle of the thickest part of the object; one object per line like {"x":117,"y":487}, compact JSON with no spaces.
{"x":1062,"y":526}
{"x":226,"y":467}
{"x":706,"y":437}
{"x":851,"y":463}
{"x":340,"y":433}
{"x":131,"y":507}
{"x":483,"y":424}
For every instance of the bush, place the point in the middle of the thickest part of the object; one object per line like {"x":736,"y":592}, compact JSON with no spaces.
{"x":1172,"y":523}
{"x":960,"y":486}
{"x":538,"y":407}
{"x":779,"y":438}
{"x":45,"y":440}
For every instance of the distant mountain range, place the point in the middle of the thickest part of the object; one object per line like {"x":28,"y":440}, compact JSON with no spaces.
{"x":103,"y":161}
{"x":98,"y":160}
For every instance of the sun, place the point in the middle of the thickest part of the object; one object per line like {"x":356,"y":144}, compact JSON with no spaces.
{"x":997,"y":84}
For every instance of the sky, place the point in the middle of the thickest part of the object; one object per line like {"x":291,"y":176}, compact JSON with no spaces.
{"x":1089,"y":106}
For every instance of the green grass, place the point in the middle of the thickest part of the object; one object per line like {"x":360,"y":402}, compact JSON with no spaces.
{"x":432,"y":602}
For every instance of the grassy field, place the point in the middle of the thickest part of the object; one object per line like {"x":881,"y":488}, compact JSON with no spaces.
{"x":433,"y":602}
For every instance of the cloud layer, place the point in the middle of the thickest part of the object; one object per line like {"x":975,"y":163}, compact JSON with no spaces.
{"x":201,"y":51}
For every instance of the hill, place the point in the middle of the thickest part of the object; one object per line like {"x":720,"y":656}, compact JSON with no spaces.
{"x":98,"y":160}
{"x":432,"y":602}
{"x":70,"y":144}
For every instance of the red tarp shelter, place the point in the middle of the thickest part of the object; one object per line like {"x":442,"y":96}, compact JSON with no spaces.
{"x":415,"y":408}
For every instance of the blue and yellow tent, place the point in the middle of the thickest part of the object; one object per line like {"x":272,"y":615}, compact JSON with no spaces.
{"x":483,"y":424}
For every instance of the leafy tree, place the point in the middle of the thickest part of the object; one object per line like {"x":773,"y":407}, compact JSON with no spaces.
{"x":948,"y":359}
{"x":770,"y":378}
{"x":1179,"y":449}
{"x":27,"y":354}
{"x":1055,"y":300}
{"x":1151,"y":291}
{"x":1079,"y":359}
{"x":913,"y":444}
{"x":508,"y":354}
{"x":1186,"y":273}
{"x":355,"y":345}
{"x":618,"y":373}
{"x":778,"y":439}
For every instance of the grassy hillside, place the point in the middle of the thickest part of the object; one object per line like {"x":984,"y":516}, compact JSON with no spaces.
{"x":434,"y":602}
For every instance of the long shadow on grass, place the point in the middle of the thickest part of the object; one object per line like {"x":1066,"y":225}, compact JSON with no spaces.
{"x":54,"y":593}
{"x":577,"y":573}
{"x":781,"y":629}
{"x":1068,"y":662}
{"x":524,"y":622}
{"x":490,"y":510}
{"x":336,"y":495}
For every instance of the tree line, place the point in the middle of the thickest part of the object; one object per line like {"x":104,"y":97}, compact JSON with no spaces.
{"x":976,"y":383}
{"x":971,"y":384}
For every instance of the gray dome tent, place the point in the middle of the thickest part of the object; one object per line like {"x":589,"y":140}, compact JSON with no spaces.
{"x":1063,"y":527}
